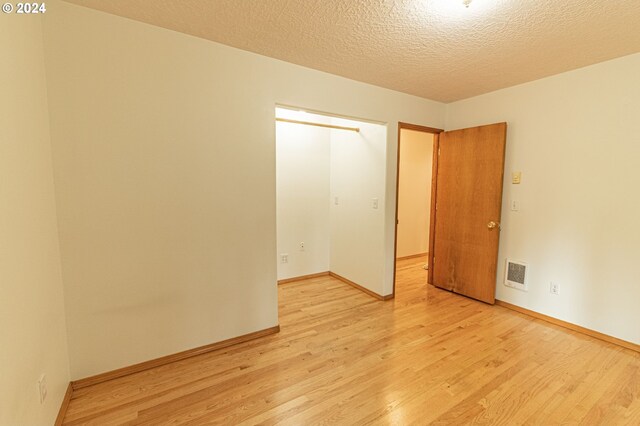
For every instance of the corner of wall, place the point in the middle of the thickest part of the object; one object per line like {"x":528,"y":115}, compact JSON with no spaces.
{"x":35,"y":342}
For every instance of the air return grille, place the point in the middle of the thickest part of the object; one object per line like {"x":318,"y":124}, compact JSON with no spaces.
{"x":516,"y":275}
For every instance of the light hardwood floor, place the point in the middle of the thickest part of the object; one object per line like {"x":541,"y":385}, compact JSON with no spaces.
{"x":342,"y":357}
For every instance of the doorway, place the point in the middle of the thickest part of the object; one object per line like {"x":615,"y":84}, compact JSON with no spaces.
{"x":415,"y":179}
{"x":330,"y":198}
{"x":466,"y":195}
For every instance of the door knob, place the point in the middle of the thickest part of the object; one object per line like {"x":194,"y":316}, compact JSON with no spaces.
{"x":492,"y":225}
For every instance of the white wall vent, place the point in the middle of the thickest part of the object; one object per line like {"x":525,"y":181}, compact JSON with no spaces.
{"x":515,"y":275}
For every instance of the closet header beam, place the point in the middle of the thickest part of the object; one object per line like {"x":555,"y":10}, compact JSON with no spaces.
{"x":309,"y":123}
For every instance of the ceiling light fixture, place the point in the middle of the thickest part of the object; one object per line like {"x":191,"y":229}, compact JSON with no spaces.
{"x":466,"y":3}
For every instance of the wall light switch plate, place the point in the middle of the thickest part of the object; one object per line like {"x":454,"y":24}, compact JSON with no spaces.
{"x":516,"y":178}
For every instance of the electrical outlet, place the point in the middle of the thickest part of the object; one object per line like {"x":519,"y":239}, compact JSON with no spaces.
{"x":302,"y":246}
{"x":374,"y":203}
{"x":42,"y":388}
{"x":554,"y":288}
{"x":284,"y":258}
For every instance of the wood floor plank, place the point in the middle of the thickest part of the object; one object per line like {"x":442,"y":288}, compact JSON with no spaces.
{"x":342,"y":357}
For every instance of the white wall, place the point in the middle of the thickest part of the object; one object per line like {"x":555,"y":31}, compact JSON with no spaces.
{"x":576,"y":139}
{"x":32,"y":321}
{"x":302,"y":188}
{"x":164,"y":158}
{"x":357,"y":229}
{"x":414,"y":192}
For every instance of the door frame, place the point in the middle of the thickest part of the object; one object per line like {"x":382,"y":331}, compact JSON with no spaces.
{"x":434,"y":175}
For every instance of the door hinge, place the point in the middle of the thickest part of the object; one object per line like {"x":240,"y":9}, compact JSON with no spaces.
{"x":438,"y":151}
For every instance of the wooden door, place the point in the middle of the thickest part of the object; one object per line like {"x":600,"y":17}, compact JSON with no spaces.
{"x":468,"y":205}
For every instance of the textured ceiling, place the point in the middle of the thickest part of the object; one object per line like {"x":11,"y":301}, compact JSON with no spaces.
{"x":436,"y":49}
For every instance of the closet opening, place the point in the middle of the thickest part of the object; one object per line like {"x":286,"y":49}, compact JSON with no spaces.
{"x":330,"y":198}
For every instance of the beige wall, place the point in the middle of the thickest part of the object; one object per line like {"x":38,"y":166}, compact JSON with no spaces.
{"x":164,"y":158}
{"x":414,"y":192}
{"x":576,"y":139}
{"x":32,"y":320}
